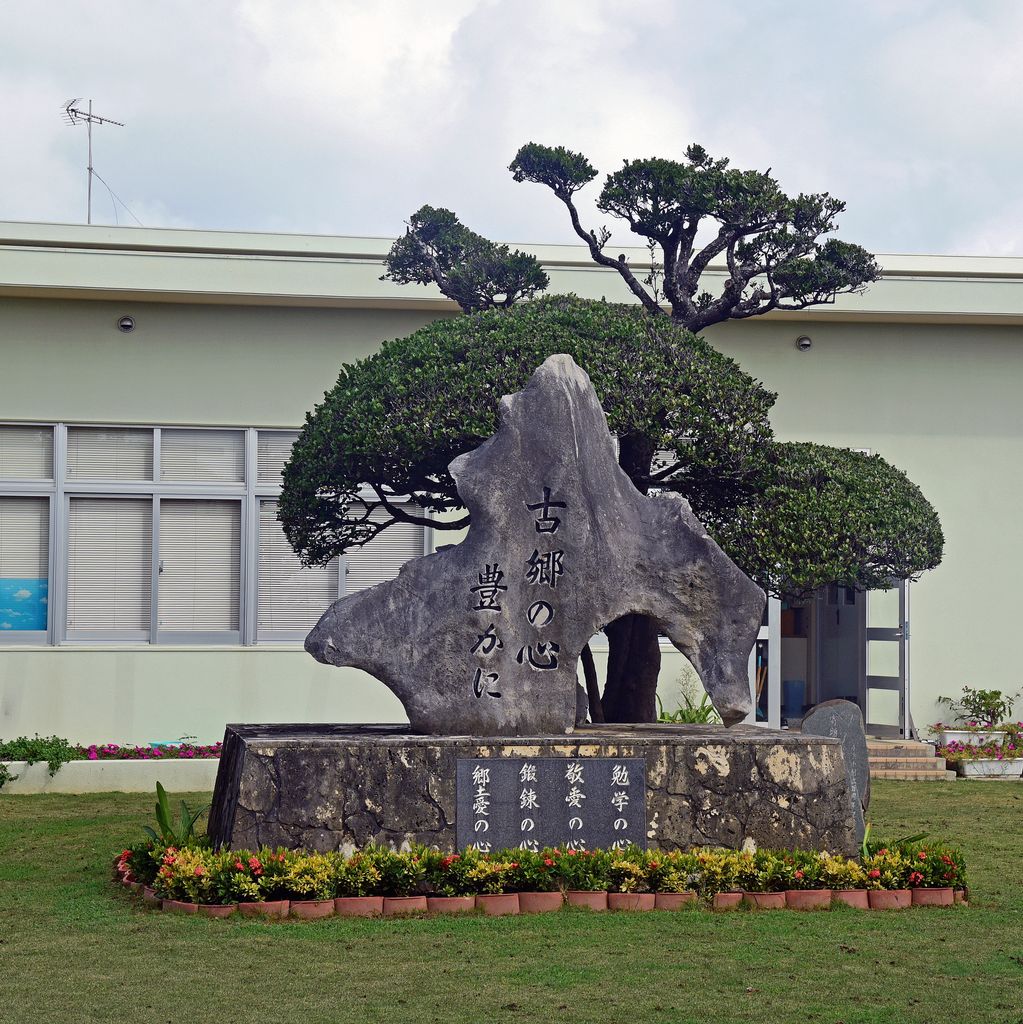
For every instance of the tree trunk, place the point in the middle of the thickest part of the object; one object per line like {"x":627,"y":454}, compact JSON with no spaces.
{"x":634,"y":654}
{"x":633,"y":663}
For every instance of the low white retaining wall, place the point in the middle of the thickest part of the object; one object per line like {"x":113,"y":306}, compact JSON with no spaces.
{"x":182,"y":775}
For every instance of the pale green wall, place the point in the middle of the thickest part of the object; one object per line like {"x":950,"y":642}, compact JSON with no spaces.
{"x":939,"y":402}
{"x":942,"y":403}
{"x":260,"y":366}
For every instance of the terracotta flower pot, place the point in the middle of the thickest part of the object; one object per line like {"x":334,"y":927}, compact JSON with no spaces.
{"x":764,"y":900}
{"x":359,"y":906}
{"x":858,"y":898}
{"x":399,"y":906}
{"x":587,"y":899}
{"x":450,"y":904}
{"x":630,"y":901}
{"x":933,"y":897}
{"x":890,"y":899}
{"x":726,"y":900}
{"x":808,"y":899}
{"x":269,"y":908}
{"x":149,"y":897}
{"x":673,"y":900}
{"x":312,"y":910}
{"x":180,"y":906}
{"x":540,"y":902}
{"x":960,"y":897}
{"x":217,"y":909}
{"x":498,"y":904}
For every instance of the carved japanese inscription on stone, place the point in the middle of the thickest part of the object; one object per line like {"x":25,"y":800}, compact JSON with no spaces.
{"x":580,"y":803}
{"x":483,"y":638}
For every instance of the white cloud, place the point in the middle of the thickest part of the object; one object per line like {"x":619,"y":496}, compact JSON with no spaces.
{"x":22,"y":595}
{"x":340,"y":116}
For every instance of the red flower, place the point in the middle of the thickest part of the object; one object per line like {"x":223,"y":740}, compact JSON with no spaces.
{"x":199,"y":871}
{"x":799,"y":874}
{"x":915,"y":878}
{"x":922,"y":855}
{"x":254,"y":863}
{"x":239,"y":866}
{"x":874,"y":873}
{"x":548,"y":862}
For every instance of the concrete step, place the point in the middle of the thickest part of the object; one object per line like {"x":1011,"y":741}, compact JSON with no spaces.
{"x":912,"y":764}
{"x":935,"y":775}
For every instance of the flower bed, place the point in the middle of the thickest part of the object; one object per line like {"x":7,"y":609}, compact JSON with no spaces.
{"x":18,"y":756}
{"x":377,"y":880}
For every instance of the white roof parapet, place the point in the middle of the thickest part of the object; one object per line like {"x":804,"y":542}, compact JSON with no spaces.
{"x":259,"y":268}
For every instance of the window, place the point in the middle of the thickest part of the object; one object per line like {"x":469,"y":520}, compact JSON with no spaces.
{"x":385,"y":554}
{"x":162,"y":535}
{"x":200,"y":566}
{"x":273,"y":452}
{"x":109,"y":568}
{"x":214,"y":456}
{"x":24,"y":567}
{"x":26,"y":453}
{"x":291,"y":597}
{"x":100,"y":453}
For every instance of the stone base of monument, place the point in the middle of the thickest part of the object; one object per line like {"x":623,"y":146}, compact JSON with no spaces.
{"x":321,"y":787}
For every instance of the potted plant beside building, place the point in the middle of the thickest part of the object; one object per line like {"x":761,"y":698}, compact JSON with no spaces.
{"x":763,"y":879}
{"x":447,"y":878}
{"x":582,"y":875}
{"x":672,"y":876}
{"x":628,"y":881}
{"x":804,"y":878}
{"x":977,"y":718}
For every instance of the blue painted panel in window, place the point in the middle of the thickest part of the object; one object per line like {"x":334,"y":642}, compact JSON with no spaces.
{"x":23,"y":604}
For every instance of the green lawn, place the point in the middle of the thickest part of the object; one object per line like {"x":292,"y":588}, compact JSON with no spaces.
{"x":75,"y":948}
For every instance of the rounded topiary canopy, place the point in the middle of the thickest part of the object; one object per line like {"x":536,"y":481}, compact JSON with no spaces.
{"x":794,"y":517}
{"x":829,"y":515}
{"x":396,"y":419}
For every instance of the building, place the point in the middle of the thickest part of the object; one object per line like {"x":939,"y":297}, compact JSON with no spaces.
{"x":154,"y":379}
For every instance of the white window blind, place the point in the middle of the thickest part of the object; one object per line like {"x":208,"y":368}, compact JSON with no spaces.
{"x":385,"y":554}
{"x":24,"y":562}
{"x":200,"y":565}
{"x":216,"y":456}
{"x":26,"y":453}
{"x":273,"y":451}
{"x":101,"y":453}
{"x":109,"y":563}
{"x":291,"y":596}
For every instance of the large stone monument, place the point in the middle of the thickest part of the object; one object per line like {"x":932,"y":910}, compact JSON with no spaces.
{"x":484,"y":637}
{"x":480,"y":643}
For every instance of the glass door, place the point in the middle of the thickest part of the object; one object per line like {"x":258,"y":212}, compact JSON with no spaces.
{"x":883,"y":684}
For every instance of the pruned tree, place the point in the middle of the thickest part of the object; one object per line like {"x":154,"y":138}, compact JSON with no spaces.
{"x":769,"y":245}
{"x":437,"y":248}
{"x":393,"y":422}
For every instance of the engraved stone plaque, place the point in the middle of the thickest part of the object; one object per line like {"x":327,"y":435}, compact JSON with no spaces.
{"x":580,"y":803}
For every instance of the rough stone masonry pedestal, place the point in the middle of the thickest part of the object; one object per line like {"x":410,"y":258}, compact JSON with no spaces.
{"x":320,"y":787}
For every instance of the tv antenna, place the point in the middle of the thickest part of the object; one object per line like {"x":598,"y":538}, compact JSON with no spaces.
{"x":74,"y":114}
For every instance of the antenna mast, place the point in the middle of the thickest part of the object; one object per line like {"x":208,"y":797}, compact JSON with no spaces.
{"x":74,"y":114}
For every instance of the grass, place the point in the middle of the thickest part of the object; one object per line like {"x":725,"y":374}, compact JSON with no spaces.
{"x":73,"y":948}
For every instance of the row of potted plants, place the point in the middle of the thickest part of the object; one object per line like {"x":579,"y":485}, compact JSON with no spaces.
{"x":377,"y":880}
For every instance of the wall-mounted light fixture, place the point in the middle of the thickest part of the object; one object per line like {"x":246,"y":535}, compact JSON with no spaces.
{"x":803,"y":343}
{"x":126,"y":324}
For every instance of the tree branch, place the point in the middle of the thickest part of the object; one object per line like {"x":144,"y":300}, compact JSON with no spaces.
{"x":597,"y":255}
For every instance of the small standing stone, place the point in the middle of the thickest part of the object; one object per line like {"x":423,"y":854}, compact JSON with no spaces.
{"x":843,"y":720}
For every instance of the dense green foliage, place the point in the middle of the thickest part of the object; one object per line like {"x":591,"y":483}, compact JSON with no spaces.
{"x":771,"y":244}
{"x":476,"y":273}
{"x":396,"y":419}
{"x":828,"y":515}
{"x":794,"y":517}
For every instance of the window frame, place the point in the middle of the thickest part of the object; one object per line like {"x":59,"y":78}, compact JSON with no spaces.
{"x":248,"y":493}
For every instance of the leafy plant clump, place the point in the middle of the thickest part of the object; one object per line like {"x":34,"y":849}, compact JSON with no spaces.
{"x":170,"y":833}
{"x":978,"y":708}
{"x":198,"y":874}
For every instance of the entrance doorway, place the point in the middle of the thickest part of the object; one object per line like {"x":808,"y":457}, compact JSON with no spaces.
{"x":842,"y":644}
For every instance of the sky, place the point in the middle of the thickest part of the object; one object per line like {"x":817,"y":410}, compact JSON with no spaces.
{"x":345,"y":116}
